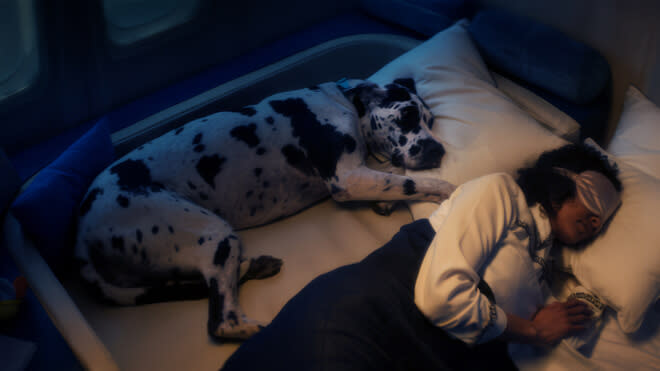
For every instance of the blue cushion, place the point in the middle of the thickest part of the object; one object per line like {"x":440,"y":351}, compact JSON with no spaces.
{"x":426,"y":17}
{"x":541,"y":55}
{"x":47,"y":208}
{"x":592,"y":117}
{"x":455,"y":9}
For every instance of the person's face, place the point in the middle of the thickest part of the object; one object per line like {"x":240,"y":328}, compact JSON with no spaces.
{"x":574,"y":223}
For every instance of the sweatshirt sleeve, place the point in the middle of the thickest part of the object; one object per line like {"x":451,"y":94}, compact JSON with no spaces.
{"x":468,"y":227}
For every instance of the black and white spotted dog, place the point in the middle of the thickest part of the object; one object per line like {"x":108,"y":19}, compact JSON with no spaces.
{"x":159,"y":222}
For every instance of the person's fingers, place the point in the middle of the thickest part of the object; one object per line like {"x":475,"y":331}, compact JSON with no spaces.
{"x":579,"y":318}
{"x":573,"y":302}
{"x":581,"y":308}
{"x":576,"y":328}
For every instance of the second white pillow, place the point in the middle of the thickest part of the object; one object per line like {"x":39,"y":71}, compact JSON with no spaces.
{"x":482,"y":130}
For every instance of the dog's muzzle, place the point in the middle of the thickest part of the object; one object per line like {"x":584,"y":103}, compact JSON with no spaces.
{"x":430,"y":156}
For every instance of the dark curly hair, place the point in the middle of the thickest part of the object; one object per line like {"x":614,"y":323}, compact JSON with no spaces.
{"x":542,"y":184}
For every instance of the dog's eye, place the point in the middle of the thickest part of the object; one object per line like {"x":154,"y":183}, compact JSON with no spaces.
{"x":409,"y":119}
{"x":396,"y":93}
{"x":359,"y":106}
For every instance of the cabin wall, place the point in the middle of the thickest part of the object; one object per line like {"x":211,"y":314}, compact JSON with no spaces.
{"x":83,"y":73}
{"x":626,"y":32}
{"x":93,"y":56}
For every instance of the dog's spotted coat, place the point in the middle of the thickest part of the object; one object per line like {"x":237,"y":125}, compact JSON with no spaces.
{"x":159,"y":222}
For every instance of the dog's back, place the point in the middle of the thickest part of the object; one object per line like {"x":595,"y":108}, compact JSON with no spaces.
{"x":249,"y":167}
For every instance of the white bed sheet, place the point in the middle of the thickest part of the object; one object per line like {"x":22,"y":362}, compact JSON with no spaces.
{"x":612,"y":350}
{"x":617,"y":351}
{"x":172,"y":336}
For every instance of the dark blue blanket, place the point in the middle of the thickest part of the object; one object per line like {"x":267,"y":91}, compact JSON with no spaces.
{"x":363,"y":317}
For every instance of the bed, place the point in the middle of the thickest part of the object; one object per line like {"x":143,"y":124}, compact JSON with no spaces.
{"x":478,"y":105}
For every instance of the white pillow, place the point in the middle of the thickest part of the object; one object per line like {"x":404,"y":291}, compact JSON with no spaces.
{"x":482,"y":130}
{"x":623,"y":264}
{"x":551,"y":117}
{"x":637,"y":137}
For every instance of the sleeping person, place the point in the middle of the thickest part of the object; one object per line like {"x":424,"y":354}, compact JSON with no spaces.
{"x":501,"y":231}
{"x":449,"y":292}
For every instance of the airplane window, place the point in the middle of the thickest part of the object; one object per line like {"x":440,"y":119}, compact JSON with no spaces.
{"x":19,"y":64}
{"x":130,"y":21}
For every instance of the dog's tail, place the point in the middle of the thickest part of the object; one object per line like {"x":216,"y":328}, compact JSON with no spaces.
{"x":192,"y":288}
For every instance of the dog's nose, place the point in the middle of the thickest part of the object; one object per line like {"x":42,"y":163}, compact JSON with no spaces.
{"x":432,"y":153}
{"x":434,"y":149}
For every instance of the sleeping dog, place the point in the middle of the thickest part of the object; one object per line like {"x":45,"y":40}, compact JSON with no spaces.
{"x":159,"y":222}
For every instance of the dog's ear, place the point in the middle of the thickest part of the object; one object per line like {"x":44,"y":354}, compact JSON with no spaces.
{"x":364,"y":95}
{"x":407,"y":82}
{"x":359,"y":106}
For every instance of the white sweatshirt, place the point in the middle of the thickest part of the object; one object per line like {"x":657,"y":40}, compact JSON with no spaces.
{"x":485,"y":229}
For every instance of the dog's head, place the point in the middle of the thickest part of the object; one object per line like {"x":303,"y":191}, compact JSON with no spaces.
{"x":397,"y":124}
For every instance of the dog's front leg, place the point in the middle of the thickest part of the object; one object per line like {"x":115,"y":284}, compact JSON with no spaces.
{"x":364,"y":184}
{"x":383,"y":207}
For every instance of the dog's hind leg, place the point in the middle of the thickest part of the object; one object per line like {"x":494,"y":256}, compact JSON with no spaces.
{"x":226,"y":319}
{"x":216,"y":253}
{"x":164,"y":247}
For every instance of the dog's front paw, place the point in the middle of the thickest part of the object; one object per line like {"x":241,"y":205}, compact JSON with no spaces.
{"x":384,"y":208}
{"x":437,"y":198}
{"x":235,"y":330}
{"x":261,"y":267}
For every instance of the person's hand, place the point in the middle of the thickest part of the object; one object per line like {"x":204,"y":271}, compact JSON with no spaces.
{"x":558,"y":320}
